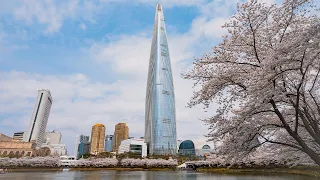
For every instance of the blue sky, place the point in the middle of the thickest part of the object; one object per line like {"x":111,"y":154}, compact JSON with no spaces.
{"x":93,"y":56}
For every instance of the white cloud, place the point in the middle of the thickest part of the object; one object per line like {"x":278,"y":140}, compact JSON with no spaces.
{"x":127,"y":54}
{"x":209,"y":28}
{"x":52,"y":14}
{"x":46,"y":12}
{"x":83,"y":26}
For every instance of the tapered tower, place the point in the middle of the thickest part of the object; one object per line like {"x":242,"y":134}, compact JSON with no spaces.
{"x":160,"y":116}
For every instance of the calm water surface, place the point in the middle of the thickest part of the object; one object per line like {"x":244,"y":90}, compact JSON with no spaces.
{"x":142,"y":175}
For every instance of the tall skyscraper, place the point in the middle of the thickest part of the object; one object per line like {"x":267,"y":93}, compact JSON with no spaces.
{"x":160,"y":116}
{"x":40,"y":117}
{"x":108,"y":143}
{"x":121,"y":132}
{"x":97,"y":138}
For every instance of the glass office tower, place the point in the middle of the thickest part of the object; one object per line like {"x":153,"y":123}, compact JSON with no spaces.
{"x":160,"y":118}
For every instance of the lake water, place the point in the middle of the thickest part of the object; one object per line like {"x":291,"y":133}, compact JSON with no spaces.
{"x":141,"y":175}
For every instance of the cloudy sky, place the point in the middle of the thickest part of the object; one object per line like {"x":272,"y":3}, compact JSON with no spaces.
{"x":93,"y":56}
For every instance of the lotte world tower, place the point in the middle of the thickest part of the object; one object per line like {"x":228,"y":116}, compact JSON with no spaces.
{"x":160,"y":116}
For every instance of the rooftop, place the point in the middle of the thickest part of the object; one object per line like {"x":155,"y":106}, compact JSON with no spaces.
{"x":100,"y":125}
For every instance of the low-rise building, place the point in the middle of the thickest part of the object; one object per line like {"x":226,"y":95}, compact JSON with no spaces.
{"x":5,"y":138}
{"x":197,"y":147}
{"x":56,"y":149}
{"x":17,"y":148}
{"x":67,"y":161}
{"x":186,"y":148}
{"x":137,"y":146}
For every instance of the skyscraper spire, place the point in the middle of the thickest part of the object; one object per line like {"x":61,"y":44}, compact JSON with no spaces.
{"x":160,"y":118}
{"x":159,"y":8}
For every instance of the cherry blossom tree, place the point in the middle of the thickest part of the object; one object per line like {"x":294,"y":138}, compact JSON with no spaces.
{"x":30,"y":162}
{"x":264,"y":76}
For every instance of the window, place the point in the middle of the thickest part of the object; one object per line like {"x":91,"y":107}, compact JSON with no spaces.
{"x":165,"y":92}
{"x":165,"y":120}
{"x":165,"y":69}
{"x":162,"y":28}
{"x":163,"y":54}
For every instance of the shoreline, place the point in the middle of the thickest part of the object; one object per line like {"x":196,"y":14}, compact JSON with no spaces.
{"x":307,"y":171}
{"x":58,"y":169}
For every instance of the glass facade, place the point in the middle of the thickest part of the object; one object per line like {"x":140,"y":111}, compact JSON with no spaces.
{"x":160,"y":118}
{"x":187,"y":148}
{"x":206,"y":147}
{"x":136,"y":148}
{"x":108,"y":143}
{"x":83,"y":146}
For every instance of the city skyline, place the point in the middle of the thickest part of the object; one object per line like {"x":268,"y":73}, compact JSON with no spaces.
{"x":94,"y":59}
{"x":160,"y":112}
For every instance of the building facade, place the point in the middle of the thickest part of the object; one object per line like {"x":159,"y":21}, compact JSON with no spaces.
{"x":196,"y":147}
{"x":160,"y":116}
{"x":97,"y":138}
{"x":108,"y":143}
{"x":20,"y":136}
{"x":40,"y":117}
{"x":186,"y":148}
{"x":53,"y":137}
{"x":56,"y":149}
{"x":82,"y":146}
{"x":17,"y":148}
{"x":121,"y":132}
{"x":137,"y":146}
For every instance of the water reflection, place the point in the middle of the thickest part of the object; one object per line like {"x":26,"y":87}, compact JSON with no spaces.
{"x":142,"y":175}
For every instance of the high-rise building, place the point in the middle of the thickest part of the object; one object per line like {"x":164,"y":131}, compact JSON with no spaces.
{"x":160,"y":116}
{"x":20,"y":136}
{"x":97,"y":138}
{"x":121,"y":132}
{"x":82,"y":146}
{"x":108,"y":143}
{"x":40,"y":117}
{"x":53,"y":137}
